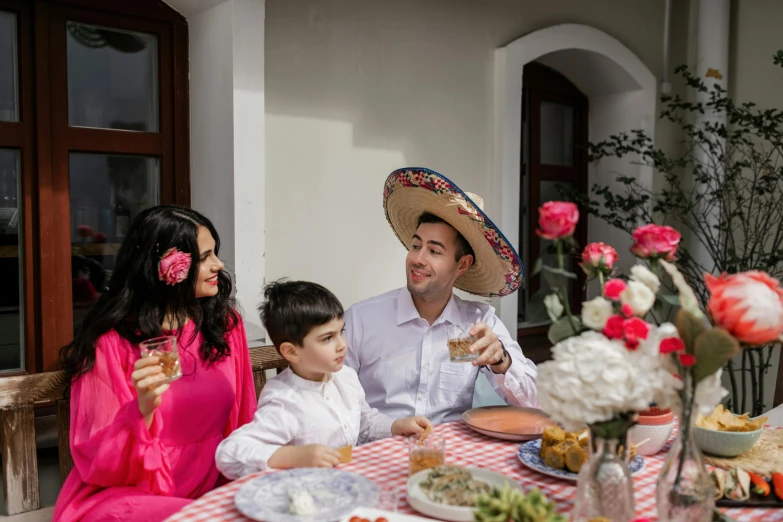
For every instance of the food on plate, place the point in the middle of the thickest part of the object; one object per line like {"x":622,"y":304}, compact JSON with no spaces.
{"x":453,"y":486}
{"x":737,"y":484}
{"x":511,"y":505}
{"x":718,"y":477}
{"x":301,"y":503}
{"x":777,"y":484}
{"x":360,"y":519}
{"x":722,"y":419}
{"x":760,"y":486}
{"x":346,"y":454}
{"x":568,"y":450}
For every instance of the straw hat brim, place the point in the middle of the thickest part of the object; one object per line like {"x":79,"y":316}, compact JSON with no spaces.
{"x":410,"y":192}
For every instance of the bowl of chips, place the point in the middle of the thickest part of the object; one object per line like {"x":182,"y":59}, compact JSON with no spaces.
{"x":725,"y":434}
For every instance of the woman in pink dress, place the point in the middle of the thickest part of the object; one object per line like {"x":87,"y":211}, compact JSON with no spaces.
{"x":143,"y":449}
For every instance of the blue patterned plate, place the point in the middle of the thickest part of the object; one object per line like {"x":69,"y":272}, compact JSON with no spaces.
{"x":335,"y":494}
{"x":529,"y":456}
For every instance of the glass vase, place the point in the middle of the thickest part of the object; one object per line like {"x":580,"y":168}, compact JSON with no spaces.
{"x":685,"y":492}
{"x":604,"y":487}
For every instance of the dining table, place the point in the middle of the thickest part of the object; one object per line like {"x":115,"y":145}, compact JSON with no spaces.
{"x":386,"y":463}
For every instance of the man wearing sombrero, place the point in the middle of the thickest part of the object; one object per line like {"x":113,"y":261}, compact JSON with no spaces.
{"x":397,"y":342}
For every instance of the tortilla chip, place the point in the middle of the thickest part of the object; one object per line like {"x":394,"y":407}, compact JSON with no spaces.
{"x":346,"y":454}
{"x":722,"y":419}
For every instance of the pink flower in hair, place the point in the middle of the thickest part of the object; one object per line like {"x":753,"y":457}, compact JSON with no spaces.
{"x":173,"y":266}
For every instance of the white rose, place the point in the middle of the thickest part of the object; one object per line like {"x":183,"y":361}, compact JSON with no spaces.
{"x":642,"y":274}
{"x":639,"y":297}
{"x":596,"y":312}
{"x":553,"y":307}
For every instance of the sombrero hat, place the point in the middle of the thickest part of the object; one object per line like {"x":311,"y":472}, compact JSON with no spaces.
{"x":408,"y":193}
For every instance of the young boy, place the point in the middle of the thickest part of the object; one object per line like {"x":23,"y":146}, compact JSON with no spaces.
{"x":316,"y":405}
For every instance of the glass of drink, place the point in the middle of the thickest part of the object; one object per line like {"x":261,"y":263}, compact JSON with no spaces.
{"x":427,"y":453}
{"x":389,"y":498}
{"x":165,"y":349}
{"x":459,"y":341}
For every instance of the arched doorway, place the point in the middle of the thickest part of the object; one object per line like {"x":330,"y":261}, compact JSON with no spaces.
{"x":621,"y":93}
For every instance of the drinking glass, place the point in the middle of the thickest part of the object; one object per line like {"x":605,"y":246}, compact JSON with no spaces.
{"x":459,"y":341}
{"x":427,"y":453}
{"x":389,"y":498}
{"x":165,"y":349}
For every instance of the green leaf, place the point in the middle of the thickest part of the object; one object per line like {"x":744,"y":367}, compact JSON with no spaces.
{"x":690,"y":328}
{"x":538,"y":265}
{"x":669,"y":299}
{"x":562,"y":329}
{"x":559,"y":272}
{"x":713,"y":348}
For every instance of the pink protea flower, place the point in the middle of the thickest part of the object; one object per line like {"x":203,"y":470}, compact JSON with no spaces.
{"x":174,"y":266}
{"x":749,"y":305}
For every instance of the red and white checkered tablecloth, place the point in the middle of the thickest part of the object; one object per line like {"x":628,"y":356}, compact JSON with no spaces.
{"x":386,"y":462}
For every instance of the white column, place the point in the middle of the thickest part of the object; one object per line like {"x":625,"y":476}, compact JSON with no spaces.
{"x":227,"y":140}
{"x":712,"y":67}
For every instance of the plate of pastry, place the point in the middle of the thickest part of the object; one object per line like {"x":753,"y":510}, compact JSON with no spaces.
{"x":562,"y":454}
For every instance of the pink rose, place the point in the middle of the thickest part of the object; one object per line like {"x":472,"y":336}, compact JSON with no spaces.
{"x":655,"y":241}
{"x":672,"y":344}
{"x":598,"y":257}
{"x":174,"y":266}
{"x":613,"y":288}
{"x":634,"y":330}
{"x":557,"y":219}
{"x":749,"y":305}
{"x":687,"y":359}
{"x":98,"y":237}
{"x":627,"y":310}
{"x":614,"y":327}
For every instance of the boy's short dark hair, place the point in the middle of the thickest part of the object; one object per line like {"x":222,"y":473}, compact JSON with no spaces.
{"x":292,"y":308}
{"x":463,"y":247}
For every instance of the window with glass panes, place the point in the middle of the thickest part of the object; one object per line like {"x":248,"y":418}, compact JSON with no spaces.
{"x":93,"y":129}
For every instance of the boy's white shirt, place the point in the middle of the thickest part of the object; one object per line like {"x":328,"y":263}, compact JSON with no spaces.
{"x":294,"y":411}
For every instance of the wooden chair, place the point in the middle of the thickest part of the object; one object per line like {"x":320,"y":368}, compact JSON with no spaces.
{"x":262,"y":359}
{"x":19,"y":396}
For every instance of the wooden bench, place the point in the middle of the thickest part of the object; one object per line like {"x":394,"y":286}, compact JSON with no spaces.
{"x":19,"y":396}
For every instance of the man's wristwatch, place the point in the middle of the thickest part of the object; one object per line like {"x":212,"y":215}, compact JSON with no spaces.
{"x":505,"y":355}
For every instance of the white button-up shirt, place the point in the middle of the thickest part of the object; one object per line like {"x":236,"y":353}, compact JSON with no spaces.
{"x":403,"y":361}
{"x":294,"y":411}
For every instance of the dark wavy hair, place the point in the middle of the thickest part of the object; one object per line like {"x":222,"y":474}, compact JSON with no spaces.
{"x":136,"y":301}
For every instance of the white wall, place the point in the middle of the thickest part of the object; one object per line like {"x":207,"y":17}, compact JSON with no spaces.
{"x":357,"y":88}
{"x":753,"y":77}
{"x":227,"y":139}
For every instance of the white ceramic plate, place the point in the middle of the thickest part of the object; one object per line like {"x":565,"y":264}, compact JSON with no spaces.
{"x":371,"y":514}
{"x":529,"y":455}
{"x":335,"y":494}
{"x":419,"y":501}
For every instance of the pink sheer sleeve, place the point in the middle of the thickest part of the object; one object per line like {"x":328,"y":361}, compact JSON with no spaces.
{"x":110,"y":442}
{"x":246,"y":400}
